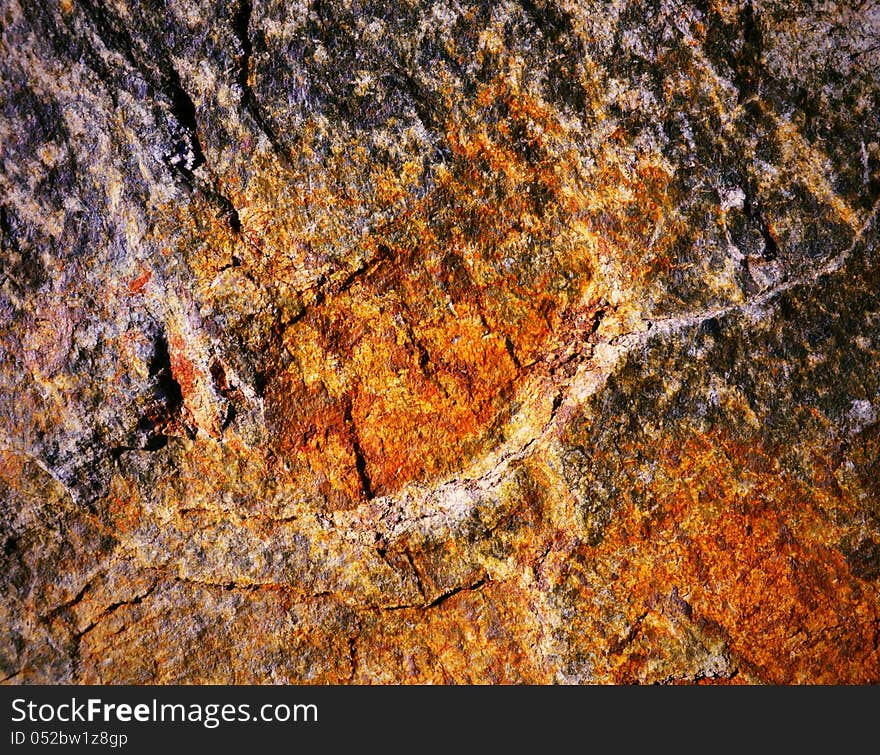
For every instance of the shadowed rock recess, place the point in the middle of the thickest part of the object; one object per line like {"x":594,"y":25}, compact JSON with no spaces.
{"x":464,"y":341}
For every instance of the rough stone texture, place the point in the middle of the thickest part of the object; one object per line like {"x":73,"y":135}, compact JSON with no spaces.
{"x":505,"y":341}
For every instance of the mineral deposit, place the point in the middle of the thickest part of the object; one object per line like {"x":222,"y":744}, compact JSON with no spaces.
{"x":439,"y":341}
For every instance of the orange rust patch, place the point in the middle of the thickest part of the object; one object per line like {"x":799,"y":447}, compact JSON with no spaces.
{"x":748,"y":556}
{"x":136,"y":285}
{"x":181,"y":368}
{"x":402,"y":372}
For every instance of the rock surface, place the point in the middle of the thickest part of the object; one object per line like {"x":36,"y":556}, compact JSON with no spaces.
{"x":513,"y":341}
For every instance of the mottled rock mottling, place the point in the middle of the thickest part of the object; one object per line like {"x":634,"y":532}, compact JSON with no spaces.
{"x":517,"y":341}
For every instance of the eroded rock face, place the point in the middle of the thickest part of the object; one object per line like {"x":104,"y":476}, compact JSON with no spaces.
{"x":526,"y":341}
